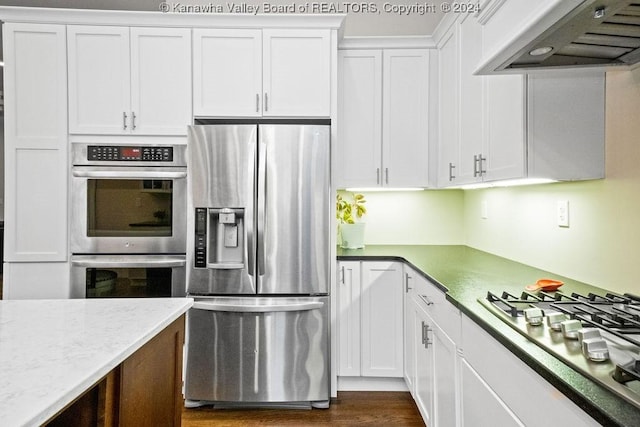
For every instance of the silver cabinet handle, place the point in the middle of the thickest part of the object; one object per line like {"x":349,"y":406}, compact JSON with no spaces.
{"x":426,"y":299}
{"x":266,"y":102}
{"x":423,"y":337}
{"x":482,"y":160}
{"x":386,"y":175}
{"x":451,"y":168}
{"x":257,"y":102}
{"x":427,"y":341}
{"x":475,"y":166}
{"x":407,"y":288}
{"x":377,"y":175}
{"x":133,"y":120}
{"x":251,"y":307}
{"x":342,"y":274}
{"x":124,"y":120}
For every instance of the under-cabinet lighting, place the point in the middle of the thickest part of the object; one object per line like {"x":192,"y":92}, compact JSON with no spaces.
{"x":380,"y":189}
{"x":541,"y":51}
{"x":507,"y":183}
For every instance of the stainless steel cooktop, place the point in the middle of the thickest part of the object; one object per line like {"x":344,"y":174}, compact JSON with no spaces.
{"x":597,"y":335}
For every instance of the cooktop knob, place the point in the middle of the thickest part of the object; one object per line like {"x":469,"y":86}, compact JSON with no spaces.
{"x":595,"y":349}
{"x":570,"y":328}
{"x":554,"y":319}
{"x":533,"y":316}
{"x":588,"y":333}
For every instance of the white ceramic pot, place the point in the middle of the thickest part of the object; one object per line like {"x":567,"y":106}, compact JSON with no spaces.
{"x":352,"y":235}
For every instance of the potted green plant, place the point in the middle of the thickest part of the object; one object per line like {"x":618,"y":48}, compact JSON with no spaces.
{"x":350,"y":209}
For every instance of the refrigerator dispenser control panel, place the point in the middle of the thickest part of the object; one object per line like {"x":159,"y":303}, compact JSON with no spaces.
{"x":201,"y":238}
{"x":122,"y":153}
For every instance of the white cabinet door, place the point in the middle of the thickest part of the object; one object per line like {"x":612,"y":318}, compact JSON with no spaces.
{"x":99,"y":80}
{"x":448,"y":112}
{"x":382,"y":318}
{"x":506,"y":375}
{"x":227,"y":72}
{"x":504,"y":147}
{"x":348,"y":308}
{"x":481,"y":406}
{"x":405,"y":117}
{"x":445,"y":377}
{"x":410,"y":344}
{"x":297,"y":72}
{"x":360,"y":118}
{"x":471,"y":101}
{"x":36,"y":148}
{"x":160,"y":81}
{"x":424,"y":378}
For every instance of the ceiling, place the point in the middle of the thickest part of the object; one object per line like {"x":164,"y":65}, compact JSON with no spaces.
{"x":384,"y":23}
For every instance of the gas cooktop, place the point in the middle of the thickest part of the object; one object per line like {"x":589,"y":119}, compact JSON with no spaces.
{"x":599,"y":336}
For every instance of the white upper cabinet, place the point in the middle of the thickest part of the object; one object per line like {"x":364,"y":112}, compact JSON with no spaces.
{"x":227,"y":72}
{"x":297,"y":72}
{"x":383,"y":109}
{"x":507,"y":127}
{"x":405,"y":117}
{"x":449,"y":109}
{"x":129,"y":81}
{"x":270,"y":72}
{"x":359,"y":155}
{"x":161,"y":80}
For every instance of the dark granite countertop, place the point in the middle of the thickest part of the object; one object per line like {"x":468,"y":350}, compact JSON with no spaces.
{"x":466,"y":274}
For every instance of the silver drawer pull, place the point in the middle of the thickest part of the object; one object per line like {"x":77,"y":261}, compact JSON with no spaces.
{"x":426,"y":299}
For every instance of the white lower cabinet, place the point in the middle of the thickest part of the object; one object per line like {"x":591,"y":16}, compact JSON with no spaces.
{"x":393,"y":323}
{"x":431,"y":371}
{"x":370,"y":319}
{"x":502,"y":390}
{"x":481,"y":406}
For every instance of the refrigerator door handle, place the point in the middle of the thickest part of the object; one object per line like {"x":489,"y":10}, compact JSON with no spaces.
{"x":261,"y":308}
{"x":262,"y":192}
{"x":249,"y":249}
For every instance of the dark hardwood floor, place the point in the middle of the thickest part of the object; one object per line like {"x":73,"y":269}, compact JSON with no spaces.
{"x":349,"y":409}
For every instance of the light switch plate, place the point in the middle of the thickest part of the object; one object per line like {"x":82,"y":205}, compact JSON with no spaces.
{"x":484,"y":210}
{"x":563,"y":213}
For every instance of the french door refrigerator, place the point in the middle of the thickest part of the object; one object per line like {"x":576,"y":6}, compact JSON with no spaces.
{"x":258,"y":332}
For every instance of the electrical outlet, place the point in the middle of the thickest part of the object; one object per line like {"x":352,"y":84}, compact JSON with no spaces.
{"x":563,"y":213}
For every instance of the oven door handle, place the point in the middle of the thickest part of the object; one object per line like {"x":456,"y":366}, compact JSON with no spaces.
{"x":133,"y":174}
{"x":113,"y":262}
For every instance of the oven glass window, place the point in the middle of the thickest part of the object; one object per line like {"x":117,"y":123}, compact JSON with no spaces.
{"x":128,"y":282}
{"x":123,"y":207}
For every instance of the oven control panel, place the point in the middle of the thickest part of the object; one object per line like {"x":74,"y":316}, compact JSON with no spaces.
{"x":122,"y":153}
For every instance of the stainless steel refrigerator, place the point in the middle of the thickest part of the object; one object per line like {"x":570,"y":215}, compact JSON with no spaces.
{"x":258,"y":332}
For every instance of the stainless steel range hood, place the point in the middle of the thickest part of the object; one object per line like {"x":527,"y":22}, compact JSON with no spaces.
{"x":595,"y":33}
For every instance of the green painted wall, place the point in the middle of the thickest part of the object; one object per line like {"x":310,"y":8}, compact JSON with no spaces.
{"x":602,"y":244}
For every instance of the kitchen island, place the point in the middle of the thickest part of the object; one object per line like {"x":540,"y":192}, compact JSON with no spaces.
{"x":64,"y":356}
{"x":465,"y":275}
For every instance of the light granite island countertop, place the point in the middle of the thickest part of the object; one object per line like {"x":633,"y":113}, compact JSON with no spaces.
{"x":52,"y":351}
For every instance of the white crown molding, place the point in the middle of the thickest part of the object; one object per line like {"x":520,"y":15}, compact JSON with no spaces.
{"x":387,"y":42}
{"x":488,"y":8}
{"x":170,"y":19}
{"x":443,"y":27}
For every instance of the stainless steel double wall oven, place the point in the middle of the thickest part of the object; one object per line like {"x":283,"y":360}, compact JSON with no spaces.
{"x":128,"y":220}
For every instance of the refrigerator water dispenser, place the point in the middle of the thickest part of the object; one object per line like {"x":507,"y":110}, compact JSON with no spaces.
{"x":219,"y":242}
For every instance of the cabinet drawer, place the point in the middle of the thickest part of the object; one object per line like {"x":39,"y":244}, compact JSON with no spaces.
{"x":434,"y":302}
